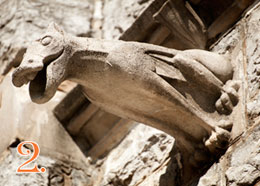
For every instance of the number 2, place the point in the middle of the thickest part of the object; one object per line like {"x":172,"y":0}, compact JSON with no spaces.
{"x":36,"y":152}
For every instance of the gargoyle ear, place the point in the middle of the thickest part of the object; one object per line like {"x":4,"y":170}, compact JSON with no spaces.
{"x":55,"y":27}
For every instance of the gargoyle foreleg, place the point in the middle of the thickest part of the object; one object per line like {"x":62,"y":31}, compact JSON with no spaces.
{"x":200,"y":76}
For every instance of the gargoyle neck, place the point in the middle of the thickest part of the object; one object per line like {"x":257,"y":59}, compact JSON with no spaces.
{"x":88,"y":56}
{"x":89,"y":45}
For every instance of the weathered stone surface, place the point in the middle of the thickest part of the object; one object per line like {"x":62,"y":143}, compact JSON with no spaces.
{"x":244,"y":39}
{"x":245,"y":160}
{"x":240,"y":165}
{"x":24,"y":21}
{"x":57,"y":173}
{"x":142,"y":156}
{"x":245,"y":174}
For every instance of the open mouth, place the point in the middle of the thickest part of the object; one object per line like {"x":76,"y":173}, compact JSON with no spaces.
{"x":38,"y":84}
{"x":44,"y":85}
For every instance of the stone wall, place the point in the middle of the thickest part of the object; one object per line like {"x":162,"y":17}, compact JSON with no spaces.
{"x":240,"y":164}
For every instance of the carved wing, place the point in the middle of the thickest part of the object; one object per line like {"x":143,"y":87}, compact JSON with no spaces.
{"x":164,"y":67}
{"x":186,"y":69}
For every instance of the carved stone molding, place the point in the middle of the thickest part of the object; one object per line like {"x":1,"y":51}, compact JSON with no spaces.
{"x":179,"y":17}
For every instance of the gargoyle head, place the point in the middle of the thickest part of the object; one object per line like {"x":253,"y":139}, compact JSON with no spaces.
{"x":42,"y":65}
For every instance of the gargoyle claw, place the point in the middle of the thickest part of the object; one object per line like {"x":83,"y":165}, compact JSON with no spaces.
{"x":219,"y":138}
{"x":228,"y":98}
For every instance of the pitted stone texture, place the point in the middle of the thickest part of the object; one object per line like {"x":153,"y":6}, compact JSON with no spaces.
{"x":245,"y":161}
{"x":119,"y":15}
{"x":239,"y":166}
{"x":242,"y":175}
{"x":24,"y":21}
{"x":57,"y":173}
{"x":141,"y":158}
{"x":253,"y":58}
{"x":244,"y":37}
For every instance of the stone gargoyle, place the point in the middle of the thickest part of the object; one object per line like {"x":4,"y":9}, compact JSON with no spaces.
{"x":187,"y":94}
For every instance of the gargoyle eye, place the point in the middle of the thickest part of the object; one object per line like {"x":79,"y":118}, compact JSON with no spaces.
{"x":46,"y":40}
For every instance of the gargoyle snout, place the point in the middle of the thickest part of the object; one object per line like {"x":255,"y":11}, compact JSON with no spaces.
{"x":26,"y":72}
